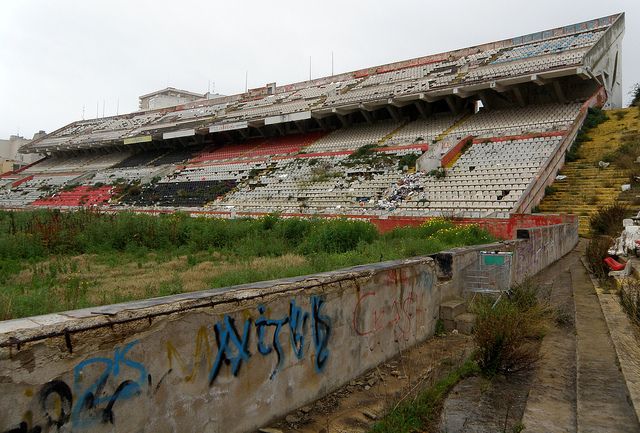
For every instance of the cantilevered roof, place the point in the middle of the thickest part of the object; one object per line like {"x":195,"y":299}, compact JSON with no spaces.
{"x":535,"y":57}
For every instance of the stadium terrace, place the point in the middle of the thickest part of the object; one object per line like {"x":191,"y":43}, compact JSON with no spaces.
{"x":477,"y":132}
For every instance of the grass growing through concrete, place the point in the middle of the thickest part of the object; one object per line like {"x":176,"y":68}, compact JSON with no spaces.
{"x":630,"y":299}
{"x":419,"y":413}
{"x":507,"y":333}
{"x":52,"y":261}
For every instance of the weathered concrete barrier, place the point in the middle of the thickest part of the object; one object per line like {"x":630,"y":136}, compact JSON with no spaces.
{"x":229,"y":360}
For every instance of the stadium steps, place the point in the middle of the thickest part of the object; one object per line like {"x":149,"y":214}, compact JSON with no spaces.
{"x":492,"y":58}
{"x":392,"y":133}
{"x":588,"y":187}
{"x":352,"y":85}
{"x":319,"y":102}
{"x":447,"y":131}
{"x":459,"y":77}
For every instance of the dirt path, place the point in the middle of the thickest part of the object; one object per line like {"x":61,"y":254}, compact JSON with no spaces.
{"x":355,"y":407}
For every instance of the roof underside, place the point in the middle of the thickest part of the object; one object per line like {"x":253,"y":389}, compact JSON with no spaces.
{"x":536,"y":57}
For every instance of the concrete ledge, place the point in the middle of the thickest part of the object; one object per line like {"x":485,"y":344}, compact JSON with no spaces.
{"x":233,"y":359}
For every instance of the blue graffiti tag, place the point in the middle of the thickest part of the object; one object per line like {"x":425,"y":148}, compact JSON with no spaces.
{"x":261,"y":324}
{"x":297,"y":324}
{"x":87,"y":410}
{"x":321,"y":333}
{"x":226,"y":334}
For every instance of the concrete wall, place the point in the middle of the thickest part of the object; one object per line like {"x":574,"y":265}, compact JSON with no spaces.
{"x":230,"y":360}
{"x":604,"y":60}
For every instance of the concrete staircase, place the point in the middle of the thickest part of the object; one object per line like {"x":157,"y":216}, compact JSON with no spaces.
{"x":447,"y":131}
{"x":578,"y":386}
{"x":454,"y":315}
{"x":588,"y":187}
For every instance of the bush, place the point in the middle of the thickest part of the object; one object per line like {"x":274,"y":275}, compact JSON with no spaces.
{"x":408,"y":160}
{"x":438,"y":173}
{"x":507,"y":333}
{"x":338,"y":236}
{"x":597,"y":251}
{"x":625,"y":156}
{"x":635,"y":93}
{"x":608,"y":220}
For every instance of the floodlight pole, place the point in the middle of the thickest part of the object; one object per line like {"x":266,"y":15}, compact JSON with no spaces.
{"x":331,"y":62}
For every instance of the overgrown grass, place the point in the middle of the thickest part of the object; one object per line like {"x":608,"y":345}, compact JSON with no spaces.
{"x":626,"y":155}
{"x":507,"y":333}
{"x":630,"y":299}
{"x":52,"y":261}
{"x":414,"y":415}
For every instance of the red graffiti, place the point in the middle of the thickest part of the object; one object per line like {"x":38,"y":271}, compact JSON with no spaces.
{"x":399,"y":316}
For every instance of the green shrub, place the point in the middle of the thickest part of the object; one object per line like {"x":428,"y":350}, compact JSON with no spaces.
{"x":507,"y":333}
{"x":635,"y":93}
{"x":338,"y":236}
{"x":608,"y":220}
{"x":408,"y":160}
{"x":438,"y":173}
{"x":43,"y":241}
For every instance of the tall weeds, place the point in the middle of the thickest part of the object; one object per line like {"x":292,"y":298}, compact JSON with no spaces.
{"x":507,"y":333}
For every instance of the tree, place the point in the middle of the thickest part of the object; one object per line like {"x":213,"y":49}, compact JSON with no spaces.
{"x":635,"y":92}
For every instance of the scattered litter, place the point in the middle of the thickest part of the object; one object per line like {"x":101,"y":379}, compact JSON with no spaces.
{"x":603,"y":164}
{"x":408,"y":186}
{"x":626,"y":187}
{"x":561,"y":177}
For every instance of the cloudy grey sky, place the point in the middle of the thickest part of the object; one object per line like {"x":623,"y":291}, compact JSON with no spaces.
{"x":57,"y":57}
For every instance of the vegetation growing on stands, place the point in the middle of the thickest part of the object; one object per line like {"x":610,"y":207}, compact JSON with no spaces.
{"x":54,"y":261}
{"x":409,"y":160}
{"x":595,"y":117}
{"x":368,"y":155}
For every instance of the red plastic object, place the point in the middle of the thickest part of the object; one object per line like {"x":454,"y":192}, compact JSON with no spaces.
{"x":613,"y":264}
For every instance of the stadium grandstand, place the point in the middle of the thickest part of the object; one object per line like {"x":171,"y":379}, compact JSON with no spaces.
{"x":477,"y":132}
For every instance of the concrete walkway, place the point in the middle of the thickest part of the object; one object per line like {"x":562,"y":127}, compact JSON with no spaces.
{"x":578,"y":386}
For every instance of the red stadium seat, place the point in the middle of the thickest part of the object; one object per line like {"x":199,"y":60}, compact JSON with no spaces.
{"x":613,"y":264}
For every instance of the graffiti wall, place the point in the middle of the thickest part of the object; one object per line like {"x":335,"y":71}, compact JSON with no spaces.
{"x":230,"y":360}
{"x":219,"y":362}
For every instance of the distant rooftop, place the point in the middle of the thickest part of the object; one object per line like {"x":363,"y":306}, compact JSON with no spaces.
{"x":172,"y":91}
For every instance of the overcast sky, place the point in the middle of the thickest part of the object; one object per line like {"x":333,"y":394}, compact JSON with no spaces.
{"x":57,"y":57}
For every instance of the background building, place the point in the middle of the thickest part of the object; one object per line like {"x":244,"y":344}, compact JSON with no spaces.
{"x":10,"y":158}
{"x":168,"y":97}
